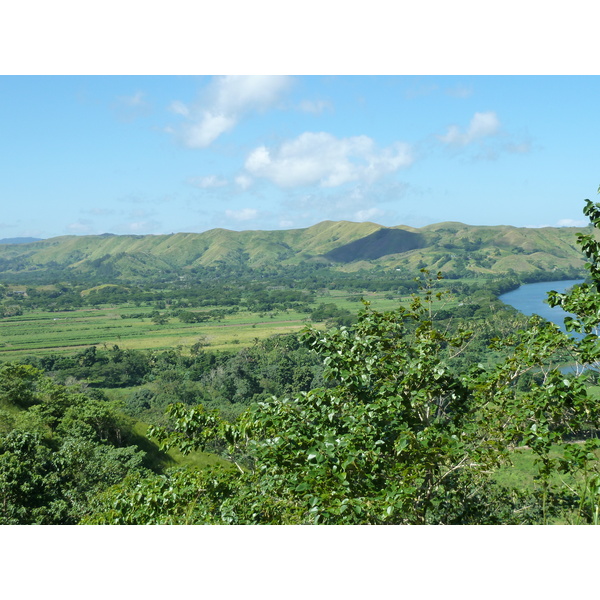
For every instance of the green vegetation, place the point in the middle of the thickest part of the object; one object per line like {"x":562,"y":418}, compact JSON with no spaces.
{"x":298,"y":377}
{"x":398,"y":436}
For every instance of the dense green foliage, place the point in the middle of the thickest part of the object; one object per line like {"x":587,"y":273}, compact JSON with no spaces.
{"x":59,"y":446}
{"x":399,"y":438}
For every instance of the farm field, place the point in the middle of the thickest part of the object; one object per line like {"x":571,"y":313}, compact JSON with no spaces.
{"x":42,"y":332}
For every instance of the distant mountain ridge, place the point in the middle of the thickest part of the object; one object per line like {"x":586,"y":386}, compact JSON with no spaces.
{"x":343,"y":245}
{"x":19,"y":240}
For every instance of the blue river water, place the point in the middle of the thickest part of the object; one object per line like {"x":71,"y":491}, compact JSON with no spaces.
{"x":530,"y":299}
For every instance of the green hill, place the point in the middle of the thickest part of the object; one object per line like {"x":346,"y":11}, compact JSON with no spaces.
{"x":343,"y":245}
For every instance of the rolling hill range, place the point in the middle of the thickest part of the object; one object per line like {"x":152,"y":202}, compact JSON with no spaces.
{"x":343,"y":245}
{"x":19,"y":240}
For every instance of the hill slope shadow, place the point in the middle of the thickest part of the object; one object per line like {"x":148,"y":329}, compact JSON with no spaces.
{"x":380,"y":243}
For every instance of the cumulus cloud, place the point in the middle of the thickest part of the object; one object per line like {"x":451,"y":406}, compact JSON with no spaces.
{"x":482,"y":125}
{"x":244,"y":214}
{"x":225,"y":101}
{"x":321,"y":158}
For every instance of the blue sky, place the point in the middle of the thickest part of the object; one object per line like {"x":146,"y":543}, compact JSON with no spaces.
{"x":161,"y":154}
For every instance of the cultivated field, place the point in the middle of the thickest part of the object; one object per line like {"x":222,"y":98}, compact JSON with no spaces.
{"x":51,"y":332}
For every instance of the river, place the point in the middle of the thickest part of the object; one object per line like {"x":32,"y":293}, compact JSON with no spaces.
{"x":530,"y":299}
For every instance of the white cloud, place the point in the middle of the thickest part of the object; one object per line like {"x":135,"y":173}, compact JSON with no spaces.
{"x":141,"y":226}
{"x":244,"y":214}
{"x":138,"y":226}
{"x":482,"y":125}
{"x":572,"y":223}
{"x":562,"y":223}
{"x":207,"y":129}
{"x":258,"y":159}
{"x":226,"y":100}
{"x":237,"y":93}
{"x":210,"y":181}
{"x":368,"y":214}
{"x":243,"y":181}
{"x":179,"y":108}
{"x":320,"y":158}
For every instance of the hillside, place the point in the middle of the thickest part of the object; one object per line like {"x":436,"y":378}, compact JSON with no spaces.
{"x":346,"y":246}
{"x":382,"y":242}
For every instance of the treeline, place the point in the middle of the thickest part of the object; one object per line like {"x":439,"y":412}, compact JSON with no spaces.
{"x":257,"y":297}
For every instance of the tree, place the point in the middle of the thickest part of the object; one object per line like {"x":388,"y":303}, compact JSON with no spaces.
{"x":160,"y":319}
{"x":19,"y":384}
{"x":28,"y":480}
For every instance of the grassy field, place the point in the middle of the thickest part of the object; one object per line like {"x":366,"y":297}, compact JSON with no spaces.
{"x":57,"y":332}
{"x":42,"y":332}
